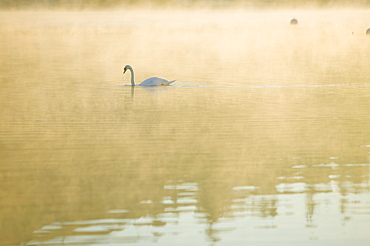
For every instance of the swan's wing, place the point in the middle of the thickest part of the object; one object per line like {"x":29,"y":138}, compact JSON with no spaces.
{"x":154,"y":81}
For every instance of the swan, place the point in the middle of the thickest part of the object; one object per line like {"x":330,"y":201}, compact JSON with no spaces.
{"x":153,"y":81}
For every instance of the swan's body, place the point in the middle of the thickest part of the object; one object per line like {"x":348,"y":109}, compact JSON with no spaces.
{"x":153,"y":81}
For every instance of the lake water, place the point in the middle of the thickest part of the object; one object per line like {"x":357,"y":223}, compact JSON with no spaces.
{"x":264,"y":138}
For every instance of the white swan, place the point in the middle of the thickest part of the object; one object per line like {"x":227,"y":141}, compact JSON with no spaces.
{"x":153,"y":81}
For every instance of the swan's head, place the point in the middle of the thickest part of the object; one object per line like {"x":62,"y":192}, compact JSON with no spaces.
{"x":125,"y":68}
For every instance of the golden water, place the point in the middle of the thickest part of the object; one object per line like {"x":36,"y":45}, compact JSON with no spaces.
{"x":263,"y":140}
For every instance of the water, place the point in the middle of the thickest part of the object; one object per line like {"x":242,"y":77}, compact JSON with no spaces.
{"x":262,"y":140}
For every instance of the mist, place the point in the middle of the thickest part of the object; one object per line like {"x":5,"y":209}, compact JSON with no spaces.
{"x":114,"y":4}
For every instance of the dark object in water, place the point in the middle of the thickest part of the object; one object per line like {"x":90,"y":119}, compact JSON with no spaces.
{"x":368,"y":31}
{"x":294,"y":21}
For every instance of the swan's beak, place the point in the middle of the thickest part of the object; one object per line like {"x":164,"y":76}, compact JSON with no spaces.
{"x":124,"y":70}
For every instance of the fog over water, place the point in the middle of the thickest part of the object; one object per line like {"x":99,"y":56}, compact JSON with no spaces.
{"x":262,"y":140}
{"x":114,"y":4}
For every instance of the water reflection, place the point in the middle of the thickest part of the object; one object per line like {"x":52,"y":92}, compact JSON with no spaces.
{"x":278,"y":148}
{"x":189,"y":208}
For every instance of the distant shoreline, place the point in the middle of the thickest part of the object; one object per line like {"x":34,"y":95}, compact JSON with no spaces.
{"x":155,"y":4}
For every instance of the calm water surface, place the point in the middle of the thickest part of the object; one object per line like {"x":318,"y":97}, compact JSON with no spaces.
{"x":263,"y":140}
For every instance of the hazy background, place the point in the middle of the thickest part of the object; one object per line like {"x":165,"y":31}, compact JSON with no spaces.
{"x":94,"y":4}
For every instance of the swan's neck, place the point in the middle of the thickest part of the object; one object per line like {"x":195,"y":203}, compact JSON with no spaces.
{"x":132,"y":76}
